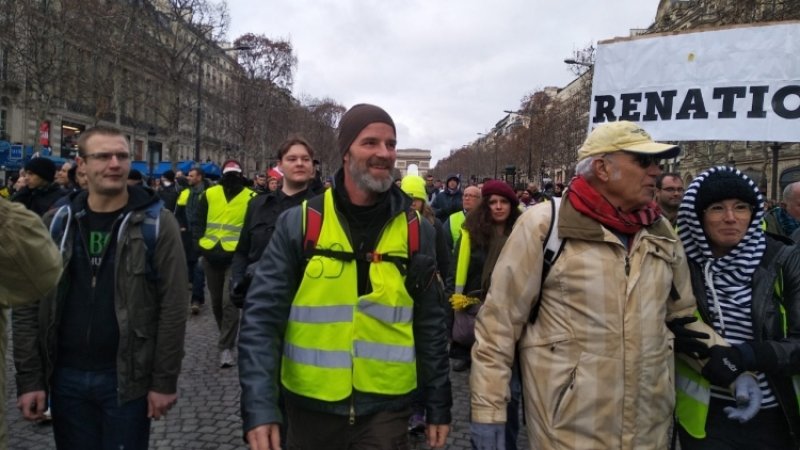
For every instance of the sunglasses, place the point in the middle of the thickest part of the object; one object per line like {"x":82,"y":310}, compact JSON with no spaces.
{"x":643,"y":160}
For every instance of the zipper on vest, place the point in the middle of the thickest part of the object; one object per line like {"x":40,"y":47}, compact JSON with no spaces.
{"x":352,"y":420}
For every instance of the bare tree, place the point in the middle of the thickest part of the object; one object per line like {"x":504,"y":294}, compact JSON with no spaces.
{"x":269,"y":65}
{"x":179,"y":39}
{"x":36,"y":37}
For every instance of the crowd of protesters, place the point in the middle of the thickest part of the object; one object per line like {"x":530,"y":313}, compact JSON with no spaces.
{"x":629,"y":308}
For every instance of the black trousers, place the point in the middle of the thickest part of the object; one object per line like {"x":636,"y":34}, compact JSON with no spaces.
{"x":767,"y":430}
{"x":312,"y":430}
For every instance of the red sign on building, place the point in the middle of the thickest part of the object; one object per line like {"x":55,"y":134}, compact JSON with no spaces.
{"x":44,"y":133}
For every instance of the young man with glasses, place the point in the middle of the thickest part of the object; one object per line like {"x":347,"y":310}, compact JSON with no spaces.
{"x":669,"y":193}
{"x":107,"y":344}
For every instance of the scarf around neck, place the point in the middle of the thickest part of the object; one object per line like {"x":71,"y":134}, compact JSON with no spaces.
{"x":591,"y":203}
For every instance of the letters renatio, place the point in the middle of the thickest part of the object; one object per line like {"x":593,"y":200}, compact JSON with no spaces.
{"x":660,"y":105}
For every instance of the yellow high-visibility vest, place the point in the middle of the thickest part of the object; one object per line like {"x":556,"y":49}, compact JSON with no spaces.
{"x":225,"y":219}
{"x":336,"y":340}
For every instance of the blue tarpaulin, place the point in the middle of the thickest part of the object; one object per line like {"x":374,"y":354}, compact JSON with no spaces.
{"x":211,"y":170}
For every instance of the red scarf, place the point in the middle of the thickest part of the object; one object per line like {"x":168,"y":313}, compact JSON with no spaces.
{"x":591,"y":203}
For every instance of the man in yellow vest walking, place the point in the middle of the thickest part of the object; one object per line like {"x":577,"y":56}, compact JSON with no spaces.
{"x":344,"y":316}
{"x":220,"y":217}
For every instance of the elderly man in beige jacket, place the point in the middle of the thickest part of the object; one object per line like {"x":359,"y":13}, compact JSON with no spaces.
{"x":597,"y":364}
{"x":30,"y":267}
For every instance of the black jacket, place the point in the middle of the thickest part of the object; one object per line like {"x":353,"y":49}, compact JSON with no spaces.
{"x":766,"y":317}
{"x":39,"y":200}
{"x":259,"y":224}
{"x":169,"y":195}
{"x":266,"y":311}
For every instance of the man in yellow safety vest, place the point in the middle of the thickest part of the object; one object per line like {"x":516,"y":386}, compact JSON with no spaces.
{"x":344,"y":314}
{"x":220,"y":217}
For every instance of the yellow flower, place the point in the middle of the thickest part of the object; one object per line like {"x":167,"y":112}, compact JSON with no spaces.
{"x":461,"y":302}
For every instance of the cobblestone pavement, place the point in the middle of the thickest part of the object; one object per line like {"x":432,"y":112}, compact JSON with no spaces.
{"x":207,"y":413}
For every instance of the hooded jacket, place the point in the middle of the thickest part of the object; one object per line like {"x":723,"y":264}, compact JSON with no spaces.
{"x":597,"y":365}
{"x":759,"y":259}
{"x":266,"y":312}
{"x":448,"y":201}
{"x":150,"y":316}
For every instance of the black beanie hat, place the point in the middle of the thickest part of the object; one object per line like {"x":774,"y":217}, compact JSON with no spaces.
{"x":169,"y":175}
{"x":723,"y":185}
{"x":356,"y":119}
{"x":43,"y":167}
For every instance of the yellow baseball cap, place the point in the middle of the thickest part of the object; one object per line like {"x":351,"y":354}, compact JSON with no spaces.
{"x":623,"y":135}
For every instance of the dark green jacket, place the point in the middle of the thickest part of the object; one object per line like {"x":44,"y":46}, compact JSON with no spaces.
{"x":151,"y":315}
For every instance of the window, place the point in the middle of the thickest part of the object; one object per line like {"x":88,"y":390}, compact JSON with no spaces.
{"x":3,"y":65}
{"x":3,"y":122}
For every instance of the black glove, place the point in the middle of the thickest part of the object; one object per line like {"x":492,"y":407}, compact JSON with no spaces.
{"x":723,"y":366}
{"x":239,"y":290}
{"x":686,"y":340}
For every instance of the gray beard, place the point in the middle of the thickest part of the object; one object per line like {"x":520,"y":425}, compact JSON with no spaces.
{"x":367,"y":182}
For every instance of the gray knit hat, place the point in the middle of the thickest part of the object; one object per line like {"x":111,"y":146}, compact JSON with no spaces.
{"x":356,"y":119}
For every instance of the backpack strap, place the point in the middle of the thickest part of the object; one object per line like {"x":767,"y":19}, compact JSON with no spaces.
{"x":58,"y":226}
{"x":552,"y":247}
{"x":312,"y":223}
{"x":150,"y":228}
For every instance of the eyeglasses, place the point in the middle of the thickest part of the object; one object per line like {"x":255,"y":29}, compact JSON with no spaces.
{"x":718,"y":211}
{"x":643,"y":160}
{"x":106,"y":156}
{"x":673,"y":190}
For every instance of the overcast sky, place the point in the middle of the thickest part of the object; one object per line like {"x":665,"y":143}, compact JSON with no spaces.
{"x":443,"y":69}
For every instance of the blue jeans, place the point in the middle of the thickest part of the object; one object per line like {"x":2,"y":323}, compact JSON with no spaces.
{"x":198,"y":278}
{"x":86,"y":414}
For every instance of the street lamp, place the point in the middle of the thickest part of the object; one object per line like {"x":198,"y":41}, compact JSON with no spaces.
{"x":578,"y":63}
{"x":151,"y":134}
{"x":200,"y":57}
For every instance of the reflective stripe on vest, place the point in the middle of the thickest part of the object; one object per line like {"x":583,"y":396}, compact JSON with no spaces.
{"x":456,"y":220}
{"x":336,"y":340}
{"x":462,"y":264}
{"x":225,"y":219}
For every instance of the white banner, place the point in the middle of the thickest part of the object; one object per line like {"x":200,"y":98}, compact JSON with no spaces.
{"x":736,"y":84}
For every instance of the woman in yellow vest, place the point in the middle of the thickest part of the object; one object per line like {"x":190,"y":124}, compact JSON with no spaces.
{"x":484,"y":232}
{"x":747,"y":285}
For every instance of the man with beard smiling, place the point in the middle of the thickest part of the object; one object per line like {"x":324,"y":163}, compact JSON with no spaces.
{"x":353,"y":330}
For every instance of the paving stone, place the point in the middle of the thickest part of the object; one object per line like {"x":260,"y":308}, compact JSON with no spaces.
{"x":207,"y":413}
